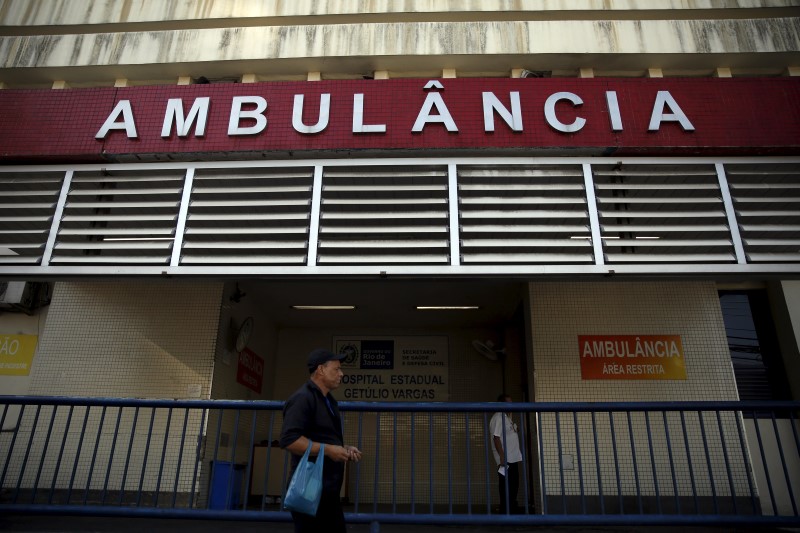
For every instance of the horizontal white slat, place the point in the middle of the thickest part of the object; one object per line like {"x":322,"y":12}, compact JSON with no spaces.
{"x":250,"y":203}
{"x":381,"y":258}
{"x":20,"y":259}
{"x":496,"y":187}
{"x":18,"y":245}
{"x":123,"y":192}
{"x":376,"y":244}
{"x":767,"y":200}
{"x":248,"y":216}
{"x":667,"y":258}
{"x":382,"y":229}
{"x":732,"y":170}
{"x":659,"y":228}
{"x":743,"y":213}
{"x":662,"y":214}
{"x":24,"y":219}
{"x":524,"y":228}
{"x":118,"y":218}
{"x":765,"y":242}
{"x":234,"y":245}
{"x":774,"y":257}
{"x":387,"y":215}
{"x":114,"y":245}
{"x":243,"y":259}
{"x":669,"y":173}
{"x":150,"y":176}
{"x":518,"y":214}
{"x":658,"y":201}
{"x":250,"y":190}
{"x":40,"y":231}
{"x":30,"y":179}
{"x":382,"y":188}
{"x":389,"y":173}
{"x":231,"y":230}
{"x":110,"y":259}
{"x":769,"y":227}
{"x":782,"y":185}
{"x":25,"y":205}
{"x":519,"y":172}
{"x":655,"y":186}
{"x":534,"y":258}
{"x":527,"y":243}
{"x":29,"y":193}
{"x":120,"y":205}
{"x":384,"y":201}
{"x":233,"y":174}
{"x":126,"y":232}
{"x":530,"y":200}
{"x":667,"y":242}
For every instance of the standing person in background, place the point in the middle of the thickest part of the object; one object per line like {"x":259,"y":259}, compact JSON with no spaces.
{"x":507,"y":455}
{"x":311,"y":413}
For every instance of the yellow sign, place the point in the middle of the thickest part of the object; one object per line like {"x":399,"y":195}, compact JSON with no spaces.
{"x":631,"y":357}
{"x":16,"y":354}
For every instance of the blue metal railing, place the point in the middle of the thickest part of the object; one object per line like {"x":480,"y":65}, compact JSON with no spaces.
{"x":655,"y":463}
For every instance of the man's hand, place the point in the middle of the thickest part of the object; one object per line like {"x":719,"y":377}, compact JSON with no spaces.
{"x":355,"y":453}
{"x":342,"y":454}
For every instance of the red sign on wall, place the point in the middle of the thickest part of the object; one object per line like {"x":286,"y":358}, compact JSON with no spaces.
{"x":250,"y":372}
{"x":599,"y":116}
{"x":631,"y":357}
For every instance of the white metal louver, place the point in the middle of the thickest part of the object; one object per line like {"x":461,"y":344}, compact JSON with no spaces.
{"x":662,"y":214}
{"x":248,"y":216}
{"x":27,"y":204}
{"x":475,"y":216}
{"x":384,"y":215}
{"x":767,"y":203}
{"x":119,"y":217}
{"x":523,"y":214}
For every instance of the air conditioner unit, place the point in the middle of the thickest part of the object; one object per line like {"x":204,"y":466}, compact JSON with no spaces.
{"x":12,"y":292}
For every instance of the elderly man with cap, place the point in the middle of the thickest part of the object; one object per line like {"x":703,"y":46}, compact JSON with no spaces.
{"x":311,"y":413}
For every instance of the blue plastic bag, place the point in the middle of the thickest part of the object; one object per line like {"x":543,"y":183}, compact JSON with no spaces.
{"x":305,"y":489}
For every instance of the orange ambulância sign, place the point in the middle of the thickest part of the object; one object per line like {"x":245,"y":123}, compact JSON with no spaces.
{"x":631,"y":357}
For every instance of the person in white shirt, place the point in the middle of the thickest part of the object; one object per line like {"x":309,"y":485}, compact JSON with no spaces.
{"x":507,"y":455}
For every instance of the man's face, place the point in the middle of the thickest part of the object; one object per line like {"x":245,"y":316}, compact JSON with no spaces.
{"x":331,"y":374}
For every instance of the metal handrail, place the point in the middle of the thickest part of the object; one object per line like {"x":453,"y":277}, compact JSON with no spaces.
{"x":603,"y":463}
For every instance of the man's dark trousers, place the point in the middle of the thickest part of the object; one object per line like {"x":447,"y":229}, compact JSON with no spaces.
{"x":513,"y":488}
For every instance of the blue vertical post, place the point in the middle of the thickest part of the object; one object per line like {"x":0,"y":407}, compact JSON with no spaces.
{"x":180,"y":457}
{"x":24,"y":465}
{"x":689,"y":462}
{"x":44,"y":453}
{"x":94,"y":454}
{"x":111,"y":455}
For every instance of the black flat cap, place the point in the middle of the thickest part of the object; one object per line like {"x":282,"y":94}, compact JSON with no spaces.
{"x":320,"y":356}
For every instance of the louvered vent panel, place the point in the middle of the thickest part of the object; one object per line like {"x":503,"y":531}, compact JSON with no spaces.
{"x":523,"y":215}
{"x":248,"y":216}
{"x":119,"y":217}
{"x":27,"y":204}
{"x":767,"y":203}
{"x":384,"y":215}
{"x":662,"y":214}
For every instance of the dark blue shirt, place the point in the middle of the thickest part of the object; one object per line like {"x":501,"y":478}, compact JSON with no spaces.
{"x":306,"y":414}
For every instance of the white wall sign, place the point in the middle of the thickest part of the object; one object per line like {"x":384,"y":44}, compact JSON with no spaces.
{"x":393,"y":369}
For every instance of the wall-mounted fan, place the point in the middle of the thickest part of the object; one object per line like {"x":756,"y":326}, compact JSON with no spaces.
{"x":488,"y":350}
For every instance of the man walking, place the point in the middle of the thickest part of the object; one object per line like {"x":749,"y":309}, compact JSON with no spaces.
{"x":311,"y":413}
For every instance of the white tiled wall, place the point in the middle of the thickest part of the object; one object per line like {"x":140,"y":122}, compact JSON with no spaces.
{"x":119,"y":339}
{"x":562,"y":311}
{"x":128,"y":339}
{"x":559,"y":313}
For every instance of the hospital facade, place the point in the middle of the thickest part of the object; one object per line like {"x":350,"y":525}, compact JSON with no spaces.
{"x":564,"y":201}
